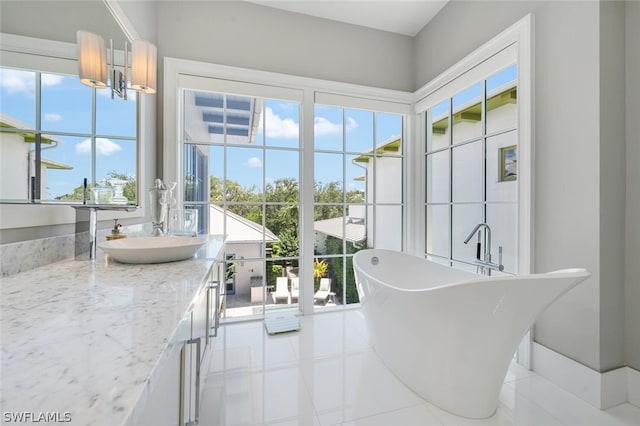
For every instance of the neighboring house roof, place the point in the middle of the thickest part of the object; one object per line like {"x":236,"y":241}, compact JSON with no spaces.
{"x":9,"y":122}
{"x":354,"y":231}
{"x":390,"y":146}
{"x":51,"y":164}
{"x":471,"y":111}
{"x":239,"y":229}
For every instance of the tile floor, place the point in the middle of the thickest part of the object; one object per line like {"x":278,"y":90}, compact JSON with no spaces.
{"x":327,"y":374}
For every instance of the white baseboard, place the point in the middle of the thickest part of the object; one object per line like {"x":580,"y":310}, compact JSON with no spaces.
{"x":602,"y":390}
{"x":633,"y":386}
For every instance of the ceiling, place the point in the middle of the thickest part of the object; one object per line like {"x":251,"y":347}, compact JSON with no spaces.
{"x":399,"y":16}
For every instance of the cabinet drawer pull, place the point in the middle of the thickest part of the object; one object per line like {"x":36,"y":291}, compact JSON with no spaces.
{"x":198,"y":342}
{"x":216,"y":308}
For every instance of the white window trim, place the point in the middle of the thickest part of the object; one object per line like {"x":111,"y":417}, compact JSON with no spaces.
{"x":518,"y":37}
{"x":44,"y":214}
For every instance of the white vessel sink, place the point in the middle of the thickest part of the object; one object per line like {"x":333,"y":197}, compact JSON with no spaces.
{"x":152,"y":249}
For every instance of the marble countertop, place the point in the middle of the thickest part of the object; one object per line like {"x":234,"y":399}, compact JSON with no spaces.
{"x":81,"y":338}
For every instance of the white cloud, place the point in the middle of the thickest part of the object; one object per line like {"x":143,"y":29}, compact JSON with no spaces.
{"x":16,"y":81}
{"x":254,"y":163}
{"x":52,"y":117}
{"x":51,"y":79}
{"x":277,"y":127}
{"x":103,"y":147}
{"x":323,"y":127}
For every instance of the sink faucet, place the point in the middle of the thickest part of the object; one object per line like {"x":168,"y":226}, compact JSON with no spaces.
{"x":81,"y":222}
{"x":484,"y":263}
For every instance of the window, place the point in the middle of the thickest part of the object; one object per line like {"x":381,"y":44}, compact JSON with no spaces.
{"x":358,"y":196}
{"x":55,"y":132}
{"x":241,"y":173}
{"x":247,"y":159}
{"x":471,"y":170}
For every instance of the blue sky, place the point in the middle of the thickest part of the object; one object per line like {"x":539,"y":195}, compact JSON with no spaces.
{"x":474,"y":92}
{"x":66,"y":107}
{"x":280,"y":129}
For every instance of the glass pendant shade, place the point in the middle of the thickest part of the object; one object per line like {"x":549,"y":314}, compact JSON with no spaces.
{"x":92,"y":59}
{"x":143,"y":66}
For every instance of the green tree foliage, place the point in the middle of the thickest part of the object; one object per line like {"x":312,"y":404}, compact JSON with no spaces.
{"x":282,"y":218}
{"x":329,"y":198}
{"x":235,"y":193}
{"x":130,"y":188}
{"x":336,"y":268}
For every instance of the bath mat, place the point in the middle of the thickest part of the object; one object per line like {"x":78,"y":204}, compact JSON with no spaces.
{"x":284,"y":324}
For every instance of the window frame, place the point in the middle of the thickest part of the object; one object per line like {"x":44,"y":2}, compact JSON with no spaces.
{"x":520,"y":35}
{"x":34,"y":53}
{"x":373,"y":226}
{"x":479,"y":64}
{"x":349,"y":96}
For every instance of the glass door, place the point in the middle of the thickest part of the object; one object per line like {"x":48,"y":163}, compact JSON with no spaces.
{"x":241,"y":172}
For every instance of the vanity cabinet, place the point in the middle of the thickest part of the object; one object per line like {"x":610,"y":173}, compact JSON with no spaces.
{"x":144,"y":327}
{"x":204,"y":320}
{"x":162,"y":406}
{"x":176,"y":387}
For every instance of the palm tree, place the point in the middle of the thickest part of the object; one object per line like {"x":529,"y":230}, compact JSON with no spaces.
{"x":320,"y":268}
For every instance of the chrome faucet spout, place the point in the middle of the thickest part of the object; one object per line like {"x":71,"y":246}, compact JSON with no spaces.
{"x":485,"y":262}
{"x":477,"y":228}
{"x":92,"y":209}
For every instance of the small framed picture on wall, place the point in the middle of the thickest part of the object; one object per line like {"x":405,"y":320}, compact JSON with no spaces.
{"x":508,"y":163}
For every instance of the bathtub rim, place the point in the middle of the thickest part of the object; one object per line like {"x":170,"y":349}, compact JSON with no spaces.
{"x":566,"y":272}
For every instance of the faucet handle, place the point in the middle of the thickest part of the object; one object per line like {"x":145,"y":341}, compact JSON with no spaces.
{"x":500,"y":265}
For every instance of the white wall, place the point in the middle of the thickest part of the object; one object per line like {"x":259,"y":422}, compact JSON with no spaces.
{"x":246,"y":269}
{"x":577,"y":217}
{"x":143,"y":16}
{"x":612,"y":183}
{"x":251,"y":36}
{"x":14,"y":167}
{"x":384,"y":222}
{"x":632,"y":289}
{"x":58,"y":20}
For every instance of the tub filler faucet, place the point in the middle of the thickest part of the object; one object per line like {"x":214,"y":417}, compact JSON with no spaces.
{"x":483,"y":263}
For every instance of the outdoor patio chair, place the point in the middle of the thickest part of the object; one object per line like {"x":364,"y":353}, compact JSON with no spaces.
{"x":323,"y":291}
{"x":295,"y":287}
{"x":282,"y":290}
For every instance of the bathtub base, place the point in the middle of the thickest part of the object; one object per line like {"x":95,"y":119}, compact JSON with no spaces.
{"x":450,"y":335}
{"x":468,"y":390}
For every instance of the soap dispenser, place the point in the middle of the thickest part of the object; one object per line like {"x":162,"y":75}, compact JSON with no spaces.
{"x":116,"y":232}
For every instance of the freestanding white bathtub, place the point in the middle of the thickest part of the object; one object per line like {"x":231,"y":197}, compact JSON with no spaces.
{"x":449,"y":335}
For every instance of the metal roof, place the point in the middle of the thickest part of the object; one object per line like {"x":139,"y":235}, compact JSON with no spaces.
{"x":239,"y":229}
{"x":354,"y":231}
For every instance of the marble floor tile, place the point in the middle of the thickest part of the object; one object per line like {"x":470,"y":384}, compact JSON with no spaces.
{"x":328,"y":374}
